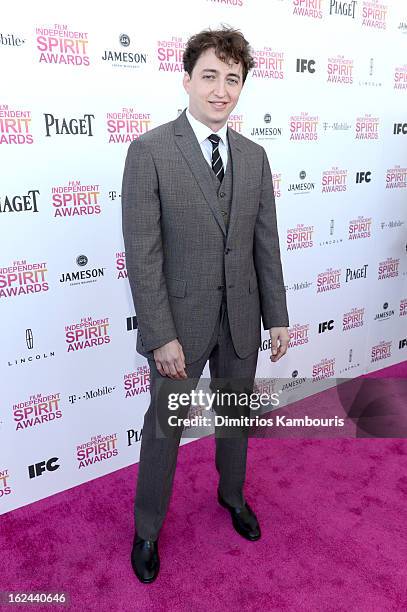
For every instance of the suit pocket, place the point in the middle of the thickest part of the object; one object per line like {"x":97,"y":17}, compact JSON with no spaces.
{"x":176,"y":287}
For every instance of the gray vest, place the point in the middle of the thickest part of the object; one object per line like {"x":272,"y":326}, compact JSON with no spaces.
{"x":224,"y":190}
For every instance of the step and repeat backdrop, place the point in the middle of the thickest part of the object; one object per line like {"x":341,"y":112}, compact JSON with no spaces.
{"x":327,"y":100}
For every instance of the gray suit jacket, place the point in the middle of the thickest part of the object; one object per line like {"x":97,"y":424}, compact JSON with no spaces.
{"x":177,"y":246}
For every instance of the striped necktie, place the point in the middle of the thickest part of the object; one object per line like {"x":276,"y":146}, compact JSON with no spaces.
{"x":217,"y":165}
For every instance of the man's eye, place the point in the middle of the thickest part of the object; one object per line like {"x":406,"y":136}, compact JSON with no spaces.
{"x":208,"y":76}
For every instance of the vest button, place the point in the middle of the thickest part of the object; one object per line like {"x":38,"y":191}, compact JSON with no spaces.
{"x":222,"y":194}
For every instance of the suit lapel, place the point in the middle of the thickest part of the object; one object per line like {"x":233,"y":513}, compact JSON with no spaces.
{"x":187,"y":143}
{"x":237,"y":159}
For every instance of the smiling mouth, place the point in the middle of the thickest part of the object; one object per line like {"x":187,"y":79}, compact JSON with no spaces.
{"x":218,"y":104}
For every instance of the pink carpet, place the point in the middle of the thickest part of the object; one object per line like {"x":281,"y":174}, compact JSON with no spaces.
{"x":333,"y":515}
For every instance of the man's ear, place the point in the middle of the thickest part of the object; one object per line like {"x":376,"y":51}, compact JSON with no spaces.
{"x":185,"y":81}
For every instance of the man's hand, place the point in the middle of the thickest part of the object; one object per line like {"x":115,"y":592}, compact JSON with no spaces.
{"x":279,"y":342}
{"x":170,"y":360}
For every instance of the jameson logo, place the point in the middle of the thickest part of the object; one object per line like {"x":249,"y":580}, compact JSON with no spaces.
{"x":124,"y":57}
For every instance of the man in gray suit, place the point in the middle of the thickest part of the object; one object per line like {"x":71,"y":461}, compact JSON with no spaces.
{"x":203,"y":262}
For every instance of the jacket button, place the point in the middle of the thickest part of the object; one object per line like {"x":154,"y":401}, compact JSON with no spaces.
{"x":222,"y":194}
{"x":220,"y":287}
{"x":227,"y":250}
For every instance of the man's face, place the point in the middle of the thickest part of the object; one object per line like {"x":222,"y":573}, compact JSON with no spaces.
{"x":214,"y":89}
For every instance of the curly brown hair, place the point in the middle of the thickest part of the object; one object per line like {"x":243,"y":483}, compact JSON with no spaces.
{"x":228,"y":43}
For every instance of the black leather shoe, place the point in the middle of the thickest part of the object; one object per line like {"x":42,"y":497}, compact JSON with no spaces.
{"x":145,"y":559}
{"x":244,"y":520}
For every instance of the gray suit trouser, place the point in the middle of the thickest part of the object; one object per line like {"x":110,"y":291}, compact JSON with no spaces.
{"x":158,"y":453}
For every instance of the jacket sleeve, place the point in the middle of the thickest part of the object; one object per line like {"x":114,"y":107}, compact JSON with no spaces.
{"x":141,"y":214}
{"x":267,"y":260}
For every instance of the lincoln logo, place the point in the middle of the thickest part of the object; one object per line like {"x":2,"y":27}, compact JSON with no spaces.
{"x":29,"y":338}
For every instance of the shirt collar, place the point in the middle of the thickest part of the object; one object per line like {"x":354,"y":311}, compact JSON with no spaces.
{"x":202,"y":131}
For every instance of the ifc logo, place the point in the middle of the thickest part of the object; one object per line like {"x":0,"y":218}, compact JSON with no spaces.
{"x":124,"y":40}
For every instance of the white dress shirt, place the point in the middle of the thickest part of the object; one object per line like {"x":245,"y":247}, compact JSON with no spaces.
{"x":202,"y":132}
